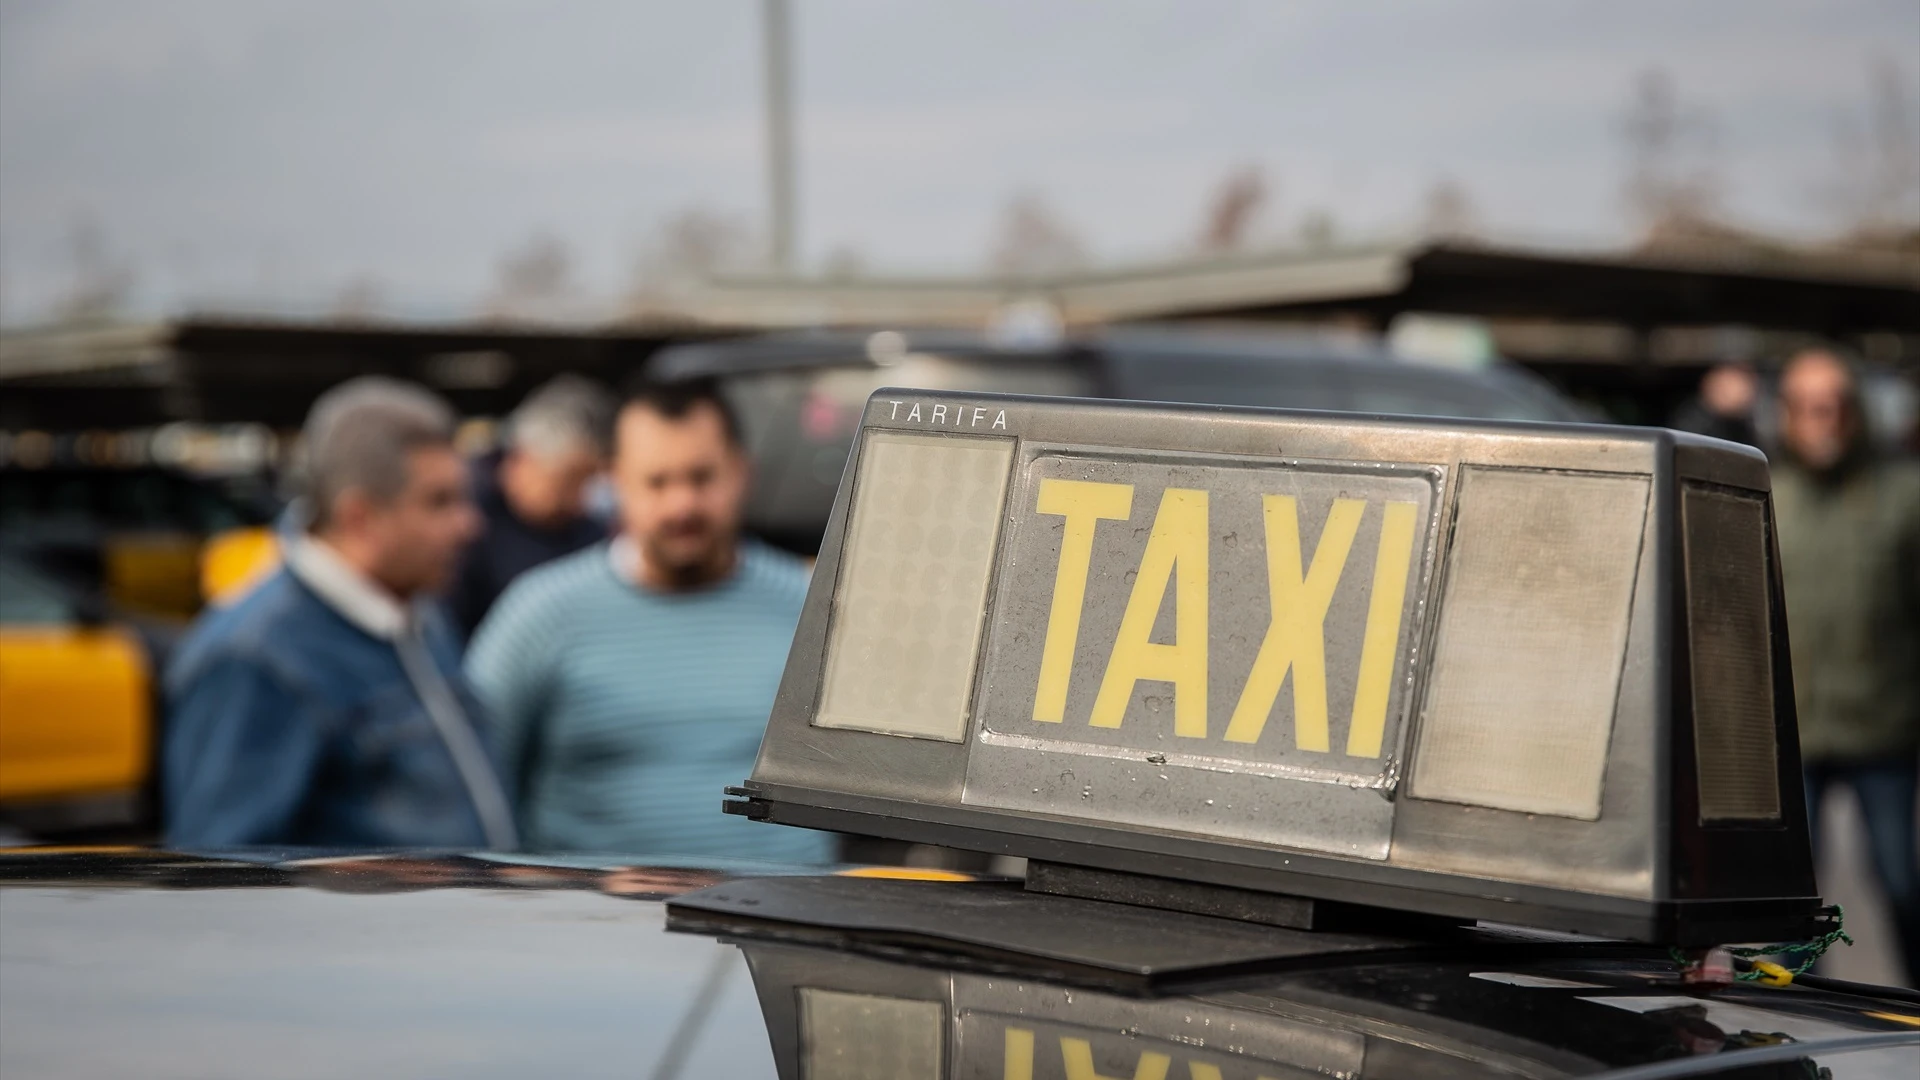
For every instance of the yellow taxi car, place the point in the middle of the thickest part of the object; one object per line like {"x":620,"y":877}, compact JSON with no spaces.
{"x":101,"y":568}
{"x":76,"y":703}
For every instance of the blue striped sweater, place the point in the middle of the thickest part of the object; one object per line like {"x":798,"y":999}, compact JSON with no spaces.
{"x":621,"y":713}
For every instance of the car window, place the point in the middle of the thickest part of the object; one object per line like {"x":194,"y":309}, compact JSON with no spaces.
{"x":799,"y":424}
{"x":138,"y":501}
{"x":204,"y":509}
{"x":68,"y":501}
{"x":16,"y":502}
{"x":27,"y":599}
{"x":1339,"y":385}
{"x":135,"y":500}
{"x":1406,"y":391}
{"x":1229,"y":380}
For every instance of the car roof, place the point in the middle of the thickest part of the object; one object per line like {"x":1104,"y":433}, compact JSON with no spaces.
{"x":396,"y":963}
{"x":1138,"y":355}
{"x":806,"y":348}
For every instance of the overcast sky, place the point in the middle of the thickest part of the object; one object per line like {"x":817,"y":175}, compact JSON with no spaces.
{"x":272,"y":151}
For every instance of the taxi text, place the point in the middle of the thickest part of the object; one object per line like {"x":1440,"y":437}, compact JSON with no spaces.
{"x":1077,"y":1061}
{"x":1300,"y":591}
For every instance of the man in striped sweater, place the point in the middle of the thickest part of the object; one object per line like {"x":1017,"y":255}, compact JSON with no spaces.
{"x":630,"y":683}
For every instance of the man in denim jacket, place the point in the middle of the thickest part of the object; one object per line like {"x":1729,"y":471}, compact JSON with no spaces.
{"x":326,"y":708}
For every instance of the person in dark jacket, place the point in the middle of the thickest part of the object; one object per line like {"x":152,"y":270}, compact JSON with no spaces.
{"x":327,"y":708}
{"x":1724,"y":407}
{"x":533,"y":495}
{"x":1849,"y":535}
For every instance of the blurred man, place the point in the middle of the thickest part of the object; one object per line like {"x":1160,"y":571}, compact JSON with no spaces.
{"x":1724,"y":407}
{"x":1849,"y":524}
{"x":324,"y":708}
{"x":533,"y":496}
{"x":631,"y":682}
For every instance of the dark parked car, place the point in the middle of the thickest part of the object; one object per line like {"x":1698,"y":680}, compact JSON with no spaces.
{"x":169,"y":964}
{"x":800,"y":395}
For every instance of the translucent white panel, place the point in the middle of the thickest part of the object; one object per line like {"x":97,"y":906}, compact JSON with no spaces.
{"x":867,"y":1037}
{"x":1532,"y":635}
{"x":912,"y":592}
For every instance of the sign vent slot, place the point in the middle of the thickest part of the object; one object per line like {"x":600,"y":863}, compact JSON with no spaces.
{"x":1727,"y":630}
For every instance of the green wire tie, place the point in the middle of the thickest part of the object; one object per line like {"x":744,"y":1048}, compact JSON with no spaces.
{"x":1810,"y":951}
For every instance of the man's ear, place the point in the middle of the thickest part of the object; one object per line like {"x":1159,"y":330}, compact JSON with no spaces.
{"x":351,"y":508}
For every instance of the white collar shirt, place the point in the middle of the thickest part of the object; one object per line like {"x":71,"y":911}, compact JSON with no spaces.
{"x":357,"y":598}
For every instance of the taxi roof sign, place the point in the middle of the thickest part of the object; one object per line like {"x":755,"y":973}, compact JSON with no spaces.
{"x":1527,"y":673}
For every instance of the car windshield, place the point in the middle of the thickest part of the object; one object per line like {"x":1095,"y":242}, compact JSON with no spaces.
{"x":800,"y":422}
{"x":67,"y":501}
{"x":27,"y":598}
{"x":1361,"y":386}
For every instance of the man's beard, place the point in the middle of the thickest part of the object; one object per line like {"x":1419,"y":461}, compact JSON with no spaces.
{"x":687,"y":566}
{"x":1830,"y":458}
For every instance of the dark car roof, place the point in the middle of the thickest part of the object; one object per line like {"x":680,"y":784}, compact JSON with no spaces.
{"x":799,"y":393}
{"x":801,"y":348}
{"x":283,"y":963}
{"x":1138,"y":360}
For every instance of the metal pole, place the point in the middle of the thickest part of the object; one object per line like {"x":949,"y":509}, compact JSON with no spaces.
{"x":779,"y":74}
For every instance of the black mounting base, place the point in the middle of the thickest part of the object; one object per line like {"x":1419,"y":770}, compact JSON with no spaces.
{"x":1227,"y":902}
{"x":1288,"y":874}
{"x":997,"y":926}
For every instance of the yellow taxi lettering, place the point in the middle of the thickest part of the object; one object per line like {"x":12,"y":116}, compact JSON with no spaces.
{"x":1084,"y":504}
{"x":1300,"y":594}
{"x":1018,"y":1064}
{"x":1382,"y":639}
{"x":1176,"y":554}
{"x":1295,"y":640}
{"x":1077,"y":1056}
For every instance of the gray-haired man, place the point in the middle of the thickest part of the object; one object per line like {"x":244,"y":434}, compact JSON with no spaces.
{"x":326,"y":708}
{"x":532,"y":495}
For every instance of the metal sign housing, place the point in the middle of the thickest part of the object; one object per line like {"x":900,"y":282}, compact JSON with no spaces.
{"x":1517,"y":672}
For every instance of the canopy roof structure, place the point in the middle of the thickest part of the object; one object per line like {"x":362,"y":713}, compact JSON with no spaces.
{"x":1543,"y":308}
{"x":216,"y":370}
{"x":1817,"y":294}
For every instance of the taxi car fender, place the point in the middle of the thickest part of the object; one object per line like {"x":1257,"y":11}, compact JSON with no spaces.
{"x":76,"y":702}
{"x":78,"y":708}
